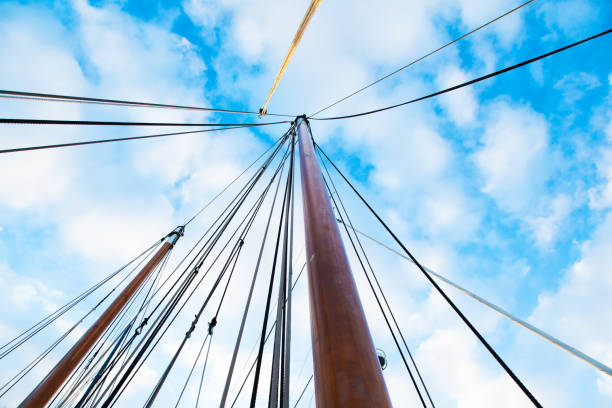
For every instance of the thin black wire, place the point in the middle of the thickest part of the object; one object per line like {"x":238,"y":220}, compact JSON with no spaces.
{"x":118,"y":139}
{"x":473,"y":81}
{"x":116,"y":102}
{"x":13,"y":121}
{"x":423,"y":57}
{"x":279,"y":354}
{"x":439,"y":289}
{"x":202,"y":377}
{"x":303,"y":391}
{"x":233,"y":257}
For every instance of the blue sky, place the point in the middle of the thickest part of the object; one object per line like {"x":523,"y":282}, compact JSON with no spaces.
{"x":505,"y":186}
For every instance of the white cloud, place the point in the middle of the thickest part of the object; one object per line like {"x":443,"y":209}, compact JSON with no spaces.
{"x":575,"y":312}
{"x":567,"y":16}
{"x":546,"y":227}
{"x":515,"y":160}
{"x":574,"y":86}
{"x":468,"y":380}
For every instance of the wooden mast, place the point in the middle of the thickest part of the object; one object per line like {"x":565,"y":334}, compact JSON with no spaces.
{"x":347,"y":372}
{"x":41,"y":395}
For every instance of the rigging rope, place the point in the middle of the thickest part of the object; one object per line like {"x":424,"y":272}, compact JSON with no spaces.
{"x":438,"y":288}
{"x":422,"y":58}
{"x":296,"y":40}
{"x":35,"y":96}
{"x":473,"y":81}
{"x":279,"y":354}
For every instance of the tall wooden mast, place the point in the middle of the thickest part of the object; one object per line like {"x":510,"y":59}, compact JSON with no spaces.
{"x":41,"y":395}
{"x":347,"y":372}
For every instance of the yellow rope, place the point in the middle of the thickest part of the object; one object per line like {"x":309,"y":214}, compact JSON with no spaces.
{"x":296,"y":40}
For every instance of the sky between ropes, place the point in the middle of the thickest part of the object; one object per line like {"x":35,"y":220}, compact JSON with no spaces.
{"x":504,"y":186}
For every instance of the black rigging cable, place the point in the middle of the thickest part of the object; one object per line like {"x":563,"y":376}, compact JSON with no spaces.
{"x":473,"y":81}
{"x":279,"y":354}
{"x":438,"y":288}
{"x":12,"y":121}
{"x":422,"y":58}
{"x":118,"y":139}
{"x":115,"y":102}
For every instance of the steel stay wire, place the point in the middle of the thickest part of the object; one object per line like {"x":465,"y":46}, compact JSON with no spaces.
{"x":438,"y":288}
{"x":248,"y":301}
{"x":422,"y":58}
{"x":279,"y":349}
{"x":100,"y":101}
{"x":473,"y":81}
{"x":232,"y":258}
{"x":303,"y":391}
